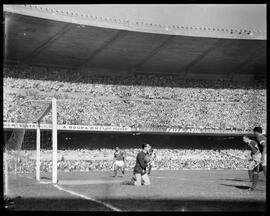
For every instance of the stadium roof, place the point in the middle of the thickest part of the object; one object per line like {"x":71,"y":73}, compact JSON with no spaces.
{"x":48,"y":35}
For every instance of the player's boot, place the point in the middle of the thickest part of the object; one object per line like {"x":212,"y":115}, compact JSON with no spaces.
{"x":133,"y":180}
{"x":251,"y":189}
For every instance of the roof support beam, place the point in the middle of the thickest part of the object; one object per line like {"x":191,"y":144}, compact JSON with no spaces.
{"x":48,"y":43}
{"x":153,"y":53}
{"x":107,"y":43}
{"x":246,"y":62}
{"x":183,"y":72}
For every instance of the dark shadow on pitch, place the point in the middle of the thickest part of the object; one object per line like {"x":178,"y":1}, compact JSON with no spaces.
{"x":55,"y":204}
{"x":240,"y":180}
{"x":78,"y":204}
{"x":243,"y":187}
{"x":127,"y":182}
{"x":45,"y":178}
{"x":235,"y":179}
{"x":186,"y":205}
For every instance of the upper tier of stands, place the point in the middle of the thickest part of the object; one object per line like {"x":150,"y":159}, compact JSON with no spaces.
{"x":147,"y":101}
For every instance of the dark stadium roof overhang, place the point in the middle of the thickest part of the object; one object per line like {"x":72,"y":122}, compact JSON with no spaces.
{"x":37,"y":36}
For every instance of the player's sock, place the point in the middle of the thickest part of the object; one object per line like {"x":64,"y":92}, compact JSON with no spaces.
{"x":115,"y":173}
{"x":255,"y":180}
{"x":149,"y":170}
{"x":264,"y":170}
{"x":123,"y":172}
{"x":250,"y":174}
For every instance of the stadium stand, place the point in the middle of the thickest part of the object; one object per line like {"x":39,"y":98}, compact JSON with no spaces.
{"x":147,"y":101}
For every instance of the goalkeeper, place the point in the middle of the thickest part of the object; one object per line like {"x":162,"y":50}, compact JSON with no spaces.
{"x":142,"y":161}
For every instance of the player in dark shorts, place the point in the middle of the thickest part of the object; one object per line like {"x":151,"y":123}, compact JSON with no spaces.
{"x":262,"y":146}
{"x":119,"y":161}
{"x":255,"y":165}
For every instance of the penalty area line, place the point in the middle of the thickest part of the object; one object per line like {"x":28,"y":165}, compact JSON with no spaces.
{"x":88,"y":198}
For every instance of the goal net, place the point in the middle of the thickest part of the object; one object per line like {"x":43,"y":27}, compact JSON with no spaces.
{"x":31,"y":130}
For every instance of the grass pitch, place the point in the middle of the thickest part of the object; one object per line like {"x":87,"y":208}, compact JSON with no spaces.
{"x":181,"y":190}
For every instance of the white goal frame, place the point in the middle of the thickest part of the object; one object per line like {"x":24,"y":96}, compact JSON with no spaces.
{"x":51,"y":106}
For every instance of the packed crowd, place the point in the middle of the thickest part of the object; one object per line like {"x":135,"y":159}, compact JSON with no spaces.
{"x":141,"y":86}
{"x":138,"y":101}
{"x":195,"y":92}
{"x":64,"y":76}
{"x":167,"y":159}
{"x":154,"y":113}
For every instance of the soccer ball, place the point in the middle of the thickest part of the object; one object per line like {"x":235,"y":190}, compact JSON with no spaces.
{"x":147,"y":158}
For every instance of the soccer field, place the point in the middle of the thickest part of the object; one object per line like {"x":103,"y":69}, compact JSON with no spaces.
{"x":181,"y":190}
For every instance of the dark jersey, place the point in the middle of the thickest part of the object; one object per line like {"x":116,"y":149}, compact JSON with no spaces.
{"x":119,"y":155}
{"x":262,"y":142}
{"x":253,"y":146}
{"x":140,"y":165}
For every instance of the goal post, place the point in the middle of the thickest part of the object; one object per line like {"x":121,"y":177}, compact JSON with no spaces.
{"x":54,"y":139}
{"x":38,"y":152}
{"x":52,"y":106}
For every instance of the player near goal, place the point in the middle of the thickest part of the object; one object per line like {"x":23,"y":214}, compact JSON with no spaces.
{"x":143,"y":159}
{"x":119,"y":161}
{"x":262,"y":146}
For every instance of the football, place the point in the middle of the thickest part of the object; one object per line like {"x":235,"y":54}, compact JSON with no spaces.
{"x":147,"y":158}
